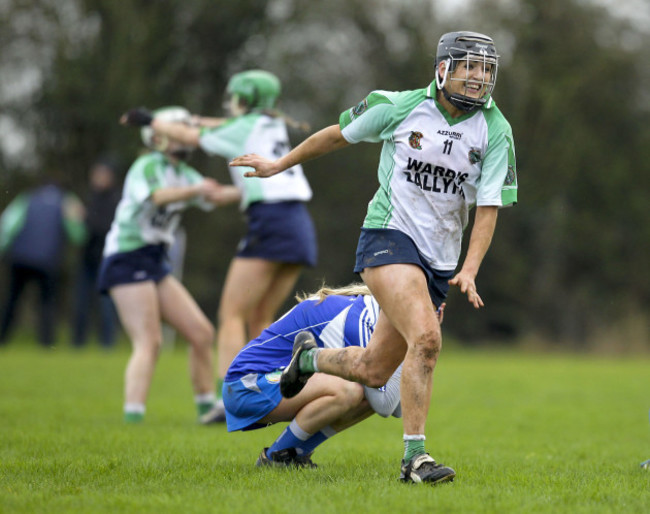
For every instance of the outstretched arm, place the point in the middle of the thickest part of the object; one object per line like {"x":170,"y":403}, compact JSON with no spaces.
{"x":207,"y":121}
{"x":322,"y":142}
{"x":207,"y":188}
{"x":484,"y":224}
{"x":177,"y":131}
{"x":185,"y":134}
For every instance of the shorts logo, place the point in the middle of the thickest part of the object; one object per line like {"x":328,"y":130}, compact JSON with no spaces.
{"x":273,"y":377}
{"x":359,"y":109}
{"x":415,"y":140}
{"x":140,"y":275}
{"x":474,"y":155}
{"x":380,"y":253}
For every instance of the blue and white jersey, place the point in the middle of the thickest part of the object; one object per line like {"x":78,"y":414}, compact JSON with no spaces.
{"x":336,"y":322}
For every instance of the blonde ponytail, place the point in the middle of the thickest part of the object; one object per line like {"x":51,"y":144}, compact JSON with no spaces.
{"x":354,"y":289}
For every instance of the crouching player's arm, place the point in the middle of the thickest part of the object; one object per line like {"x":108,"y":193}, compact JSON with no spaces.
{"x":385,"y":401}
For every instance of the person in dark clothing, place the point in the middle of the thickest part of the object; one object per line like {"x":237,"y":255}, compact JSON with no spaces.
{"x":33,"y":232}
{"x":103,"y":197}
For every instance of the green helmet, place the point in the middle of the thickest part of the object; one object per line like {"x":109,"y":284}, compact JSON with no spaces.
{"x":258,"y":88}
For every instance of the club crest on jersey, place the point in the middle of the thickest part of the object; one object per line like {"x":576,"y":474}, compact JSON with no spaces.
{"x":415,"y":140}
{"x":511,"y":176}
{"x":474,"y":155}
{"x":359,"y":109}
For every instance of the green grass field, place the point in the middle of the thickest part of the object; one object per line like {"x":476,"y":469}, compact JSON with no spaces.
{"x":525,"y":433}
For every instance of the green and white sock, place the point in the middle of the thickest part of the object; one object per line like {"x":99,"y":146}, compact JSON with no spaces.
{"x":204,"y":402}
{"x":134,"y":412}
{"x":308,"y":360}
{"x":413,"y":446}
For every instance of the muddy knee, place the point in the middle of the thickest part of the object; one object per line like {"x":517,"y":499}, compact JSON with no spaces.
{"x":373,"y":373}
{"x":426,"y":347}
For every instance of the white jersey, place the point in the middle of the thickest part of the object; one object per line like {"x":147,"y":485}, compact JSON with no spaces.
{"x":433,"y":168}
{"x":138,"y":221}
{"x":266,"y":136}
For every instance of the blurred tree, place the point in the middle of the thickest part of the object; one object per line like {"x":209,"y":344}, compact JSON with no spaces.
{"x":568,"y":262}
{"x":573,"y":93}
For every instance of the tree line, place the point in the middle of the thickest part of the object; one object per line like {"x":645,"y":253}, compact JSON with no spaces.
{"x":569,"y":263}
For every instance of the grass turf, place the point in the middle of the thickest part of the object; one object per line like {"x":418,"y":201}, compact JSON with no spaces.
{"x":525,"y":433}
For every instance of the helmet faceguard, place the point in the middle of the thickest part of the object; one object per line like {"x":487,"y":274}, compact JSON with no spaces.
{"x":257,"y":89}
{"x":160,"y":142}
{"x":474,"y":49}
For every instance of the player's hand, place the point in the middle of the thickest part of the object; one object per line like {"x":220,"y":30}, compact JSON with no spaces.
{"x":467,"y":286}
{"x":263,"y":167}
{"x":139,"y":117}
{"x":209,"y":186}
{"x":220,"y":194}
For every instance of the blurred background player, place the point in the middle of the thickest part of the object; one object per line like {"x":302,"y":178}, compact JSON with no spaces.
{"x":34,"y":230}
{"x":136,"y":273}
{"x":281,"y":237}
{"x":446,"y":148}
{"x":101,"y":201}
{"x":332,"y":318}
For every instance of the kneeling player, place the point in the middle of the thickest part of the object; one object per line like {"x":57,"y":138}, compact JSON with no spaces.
{"x":331,"y":318}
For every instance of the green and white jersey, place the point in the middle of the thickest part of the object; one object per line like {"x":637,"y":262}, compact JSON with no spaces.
{"x":264,"y":135}
{"x":138,"y":221}
{"x":433,"y":168}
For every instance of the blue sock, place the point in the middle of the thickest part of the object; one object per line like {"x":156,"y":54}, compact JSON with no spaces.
{"x":295,"y":437}
{"x":291,"y":437}
{"x":310,"y":444}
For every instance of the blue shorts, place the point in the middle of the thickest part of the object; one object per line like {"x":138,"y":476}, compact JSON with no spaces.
{"x":280,"y":232}
{"x":381,"y":246}
{"x":147,"y":263}
{"x":250,"y":398}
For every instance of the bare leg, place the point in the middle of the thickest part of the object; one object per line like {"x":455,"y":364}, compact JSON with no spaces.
{"x":246,"y":283}
{"x":181,"y":311}
{"x":283,"y":283}
{"x":407,"y":317}
{"x":137,"y":307}
{"x":324,"y":400}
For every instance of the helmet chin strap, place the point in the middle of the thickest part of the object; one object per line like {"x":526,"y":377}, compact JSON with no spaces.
{"x":160,"y":143}
{"x":440,"y":82}
{"x":457,"y":102}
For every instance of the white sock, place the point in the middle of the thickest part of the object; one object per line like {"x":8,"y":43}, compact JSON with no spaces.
{"x":205,"y":398}
{"x":134,"y":408}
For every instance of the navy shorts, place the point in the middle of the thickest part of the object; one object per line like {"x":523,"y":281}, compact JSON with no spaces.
{"x":147,"y":263}
{"x":381,"y":246}
{"x":281,"y":232}
{"x":250,"y":398}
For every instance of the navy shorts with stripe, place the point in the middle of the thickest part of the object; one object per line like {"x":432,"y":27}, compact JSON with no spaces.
{"x":150,"y":262}
{"x":280,"y":232}
{"x":381,"y":246}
